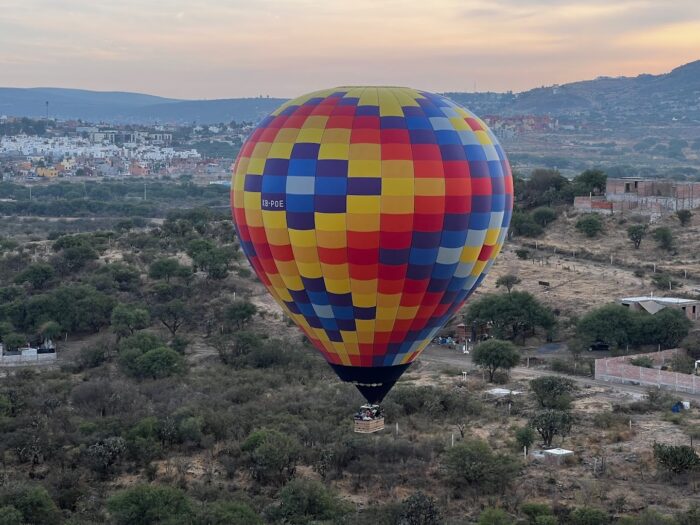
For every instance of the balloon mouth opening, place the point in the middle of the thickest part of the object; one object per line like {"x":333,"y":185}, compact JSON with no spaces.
{"x":374,"y":383}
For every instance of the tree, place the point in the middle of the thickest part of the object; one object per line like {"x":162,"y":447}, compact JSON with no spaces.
{"x":126,"y":319}
{"x":145,"y":356}
{"x":228,"y":513}
{"x":9,"y":515}
{"x":589,"y":224}
{"x":271,"y":456}
{"x":508,"y":280}
{"x":77,"y":308}
{"x":522,"y":253}
{"x":172,"y":314}
{"x":611,"y":323}
{"x":472,"y":465}
{"x":13,"y":341}
{"x":141,"y":342}
{"x":76,"y":257}
{"x":494,"y":517}
{"x":305,"y":501}
{"x":420,"y":509}
{"x":543,"y":216}
{"x":33,"y":502}
{"x":522,"y":224}
{"x":101,"y":456}
{"x":553,"y":391}
{"x":49,"y":330}
{"x":511,"y":314}
{"x":550,"y":423}
{"x":232,"y":350}
{"x":544,"y":187}
{"x":525,"y":437}
{"x":676,"y":459}
{"x":664,"y":237}
{"x":208,"y":257}
{"x":588,"y":516}
{"x":158,"y":363}
{"x":590,"y":181}
{"x":239,"y":313}
{"x":166,"y":268}
{"x":37,"y":275}
{"x":666,"y":328}
{"x":636,"y":233}
{"x":197,"y":250}
{"x":494,"y":354}
{"x":150,"y":505}
{"x":684,"y":217}
{"x":91,"y":356}
{"x":5,"y":329}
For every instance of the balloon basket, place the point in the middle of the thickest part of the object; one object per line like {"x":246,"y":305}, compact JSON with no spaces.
{"x":367,"y":427}
{"x":369,"y":419}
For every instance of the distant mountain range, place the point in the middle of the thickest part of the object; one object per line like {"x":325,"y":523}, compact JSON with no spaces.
{"x":650,"y":99}
{"x":669,"y":97}
{"x":124,"y":107}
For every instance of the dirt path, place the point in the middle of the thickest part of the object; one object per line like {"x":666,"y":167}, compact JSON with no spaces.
{"x":443,"y":356}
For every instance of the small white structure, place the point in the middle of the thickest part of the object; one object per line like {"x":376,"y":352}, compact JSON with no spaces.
{"x":557,"y":455}
{"x":652,"y":305}
{"x":502,"y":392}
{"x":26,"y":356}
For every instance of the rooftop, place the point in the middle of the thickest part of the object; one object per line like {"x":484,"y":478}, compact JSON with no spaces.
{"x":559,"y":452}
{"x":662,"y":300}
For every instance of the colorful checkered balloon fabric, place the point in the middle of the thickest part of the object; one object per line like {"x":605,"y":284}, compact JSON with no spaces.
{"x":371,"y":214}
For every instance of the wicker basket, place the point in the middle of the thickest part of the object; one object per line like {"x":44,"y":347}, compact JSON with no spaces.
{"x":369,"y":426}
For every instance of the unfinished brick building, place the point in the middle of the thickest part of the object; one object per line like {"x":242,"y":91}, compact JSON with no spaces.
{"x":648,"y":196}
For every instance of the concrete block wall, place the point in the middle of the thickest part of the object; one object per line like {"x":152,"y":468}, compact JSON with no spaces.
{"x":619,"y":370}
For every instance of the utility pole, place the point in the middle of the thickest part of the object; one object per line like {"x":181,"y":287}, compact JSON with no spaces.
{"x":144,"y":191}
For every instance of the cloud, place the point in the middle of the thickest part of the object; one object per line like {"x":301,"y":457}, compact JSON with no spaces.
{"x":681,"y":35}
{"x":217,"y":48}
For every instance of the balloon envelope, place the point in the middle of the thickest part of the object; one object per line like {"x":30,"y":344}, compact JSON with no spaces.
{"x":371,"y":214}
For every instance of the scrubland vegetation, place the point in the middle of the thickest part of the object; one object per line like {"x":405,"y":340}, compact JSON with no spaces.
{"x":182,"y":396}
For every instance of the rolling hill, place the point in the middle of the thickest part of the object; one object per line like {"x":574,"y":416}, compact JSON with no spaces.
{"x":665,"y":98}
{"x":123,"y":107}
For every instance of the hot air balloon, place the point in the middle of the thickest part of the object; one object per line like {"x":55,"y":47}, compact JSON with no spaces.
{"x":371,"y":214}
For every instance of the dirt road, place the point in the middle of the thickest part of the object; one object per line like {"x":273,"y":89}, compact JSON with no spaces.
{"x":444,"y":356}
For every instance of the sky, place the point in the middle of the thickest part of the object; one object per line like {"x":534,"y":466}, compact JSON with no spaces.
{"x":238,"y":48}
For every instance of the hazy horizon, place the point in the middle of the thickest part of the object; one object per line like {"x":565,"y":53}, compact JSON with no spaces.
{"x":207,"y":49}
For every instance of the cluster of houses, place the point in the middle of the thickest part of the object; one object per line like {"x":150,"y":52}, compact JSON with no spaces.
{"x":71,"y":148}
{"x":32,"y":156}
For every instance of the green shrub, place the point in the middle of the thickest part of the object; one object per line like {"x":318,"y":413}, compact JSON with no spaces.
{"x":495,"y":517}
{"x":588,"y":516}
{"x":589,"y":224}
{"x":228,"y":513}
{"x":643,"y":361}
{"x":32,"y":502}
{"x":305,"y":501}
{"x":472,"y":465}
{"x":150,"y":505}
{"x":270,"y":456}
{"x":535,"y":510}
